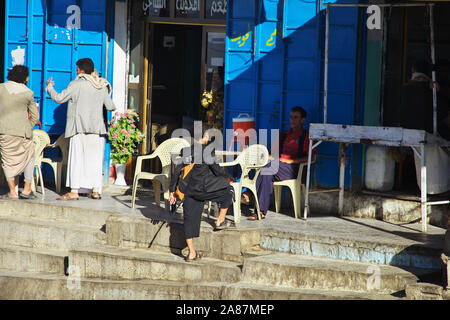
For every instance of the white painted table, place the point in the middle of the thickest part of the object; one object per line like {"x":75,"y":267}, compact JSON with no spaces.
{"x":385,"y":136}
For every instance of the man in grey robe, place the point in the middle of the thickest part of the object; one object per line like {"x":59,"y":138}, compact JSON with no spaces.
{"x":85,"y":128}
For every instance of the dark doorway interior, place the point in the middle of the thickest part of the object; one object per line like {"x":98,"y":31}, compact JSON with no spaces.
{"x":176,"y":60}
{"x":408,"y":39}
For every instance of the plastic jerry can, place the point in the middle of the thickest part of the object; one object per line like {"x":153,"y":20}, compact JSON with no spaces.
{"x":380,"y":169}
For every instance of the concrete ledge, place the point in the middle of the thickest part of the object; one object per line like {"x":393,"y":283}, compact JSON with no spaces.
{"x":294,"y":271}
{"x":47,"y":235}
{"x":32,"y":286}
{"x":252,"y":291}
{"x":415,"y":256}
{"x":121,"y":264}
{"x":133,"y":231}
{"x":36,"y":286}
{"x":360,"y":205}
{"x":31,"y":260}
{"x":63,"y":212}
{"x":424,"y":291}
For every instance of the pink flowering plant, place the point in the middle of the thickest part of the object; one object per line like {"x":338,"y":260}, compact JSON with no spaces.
{"x":124,"y":136}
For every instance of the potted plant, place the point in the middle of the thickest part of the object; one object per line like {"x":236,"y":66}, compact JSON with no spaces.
{"x":124,"y":137}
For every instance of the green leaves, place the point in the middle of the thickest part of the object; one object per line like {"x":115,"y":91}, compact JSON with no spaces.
{"x":124,"y":136}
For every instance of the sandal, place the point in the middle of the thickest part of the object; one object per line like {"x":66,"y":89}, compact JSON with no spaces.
{"x":30,"y":196}
{"x":96,"y":197}
{"x":254,"y":217}
{"x":223,"y":225}
{"x":198,"y":256}
{"x":67,"y":197}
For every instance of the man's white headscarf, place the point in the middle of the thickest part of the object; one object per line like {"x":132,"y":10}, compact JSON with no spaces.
{"x":96,"y":80}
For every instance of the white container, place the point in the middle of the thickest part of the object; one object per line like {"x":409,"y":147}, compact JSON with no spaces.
{"x":438,"y":170}
{"x":380,"y":169}
{"x":120,"y":174}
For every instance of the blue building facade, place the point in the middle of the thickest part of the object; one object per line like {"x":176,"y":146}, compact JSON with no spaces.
{"x":49,"y":36}
{"x":275,"y":61}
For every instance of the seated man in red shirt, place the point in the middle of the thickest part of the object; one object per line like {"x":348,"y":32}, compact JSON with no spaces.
{"x":293,"y":146}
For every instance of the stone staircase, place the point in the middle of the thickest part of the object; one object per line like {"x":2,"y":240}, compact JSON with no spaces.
{"x":50,"y":251}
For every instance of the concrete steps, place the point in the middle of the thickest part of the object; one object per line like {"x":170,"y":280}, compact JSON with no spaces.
{"x":399,"y":247}
{"x":62,"y":211}
{"x":32,"y":260}
{"x":134,"y":264}
{"x":132,"y":231}
{"x":251,"y":291}
{"x":34,"y":233}
{"x":41,"y":286}
{"x":307,"y":272}
{"x":137,"y":257}
{"x":392,"y":207}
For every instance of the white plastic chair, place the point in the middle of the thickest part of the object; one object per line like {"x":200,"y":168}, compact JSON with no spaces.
{"x":255,"y":157}
{"x":41,"y":140}
{"x":164,"y":152}
{"x":58,"y":165}
{"x":296,"y":187}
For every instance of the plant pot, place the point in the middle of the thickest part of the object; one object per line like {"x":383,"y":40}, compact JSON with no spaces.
{"x":112,"y":174}
{"x":120,"y":174}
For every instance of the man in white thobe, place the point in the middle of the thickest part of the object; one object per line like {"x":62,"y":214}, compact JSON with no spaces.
{"x":85,"y":128}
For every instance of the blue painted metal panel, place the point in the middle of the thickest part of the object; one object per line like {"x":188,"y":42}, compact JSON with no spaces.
{"x":342,"y":65}
{"x":23,"y":40}
{"x":282,"y":67}
{"x":269,"y":60}
{"x":253,"y":78}
{"x":64,"y":46}
{"x":239,"y":61}
{"x":51,"y":48}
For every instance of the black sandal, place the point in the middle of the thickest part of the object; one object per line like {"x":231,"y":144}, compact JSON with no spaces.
{"x":198,"y":256}
{"x":223,"y":225}
{"x":30,"y":196}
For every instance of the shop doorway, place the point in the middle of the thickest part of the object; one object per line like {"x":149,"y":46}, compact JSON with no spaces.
{"x":408,"y":39}
{"x":175,"y":77}
{"x":185,"y":61}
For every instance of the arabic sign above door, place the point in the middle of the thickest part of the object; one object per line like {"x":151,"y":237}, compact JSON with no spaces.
{"x":156,"y":8}
{"x":187,"y":9}
{"x":216,"y":9}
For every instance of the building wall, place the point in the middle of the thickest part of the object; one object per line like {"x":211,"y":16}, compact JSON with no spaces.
{"x":49,"y":37}
{"x":275,"y":61}
{"x":120,"y":91}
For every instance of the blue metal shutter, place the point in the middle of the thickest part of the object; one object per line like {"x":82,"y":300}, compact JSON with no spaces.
{"x":239,"y":61}
{"x":342,"y":68}
{"x":24,"y":24}
{"x":50,"y":49}
{"x":269,"y":73}
{"x":65,"y":46}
